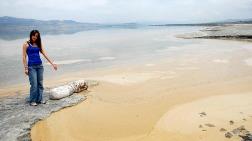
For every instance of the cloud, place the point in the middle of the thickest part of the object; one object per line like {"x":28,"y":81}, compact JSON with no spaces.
{"x":129,"y":10}
{"x":57,"y":4}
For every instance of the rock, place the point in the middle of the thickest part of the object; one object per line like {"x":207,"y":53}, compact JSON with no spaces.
{"x":202,"y":114}
{"x":200,"y":126}
{"x":228,"y":135}
{"x":231,"y":122}
{"x":67,"y":90}
{"x":209,"y":125}
{"x":223,"y":130}
{"x":243,"y":133}
{"x":246,"y":137}
{"x":203,"y":130}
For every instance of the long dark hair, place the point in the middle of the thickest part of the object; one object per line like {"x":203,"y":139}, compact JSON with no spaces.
{"x":38,"y":41}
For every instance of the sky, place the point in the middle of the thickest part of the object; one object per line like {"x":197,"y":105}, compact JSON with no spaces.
{"x":124,"y":11}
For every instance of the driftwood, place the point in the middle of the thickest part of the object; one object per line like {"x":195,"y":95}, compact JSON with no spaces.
{"x":67,"y":90}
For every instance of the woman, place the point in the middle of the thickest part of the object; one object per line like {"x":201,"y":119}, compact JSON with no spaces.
{"x":34,"y":69}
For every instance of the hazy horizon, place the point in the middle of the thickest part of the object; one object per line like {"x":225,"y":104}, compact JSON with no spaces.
{"x":119,"y":11}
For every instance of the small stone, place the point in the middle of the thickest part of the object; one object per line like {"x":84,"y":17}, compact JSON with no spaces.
{"x":200,"y":126}
{"x":223,"y":130}
{"x":231,"y":122}
{"x":202,"y":114}
{"x":228,"y":135}
{"x":203,"y":130}
{"x":209,"y":125}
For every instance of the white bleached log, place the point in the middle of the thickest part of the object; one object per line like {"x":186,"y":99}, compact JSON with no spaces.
{"x":67,"y":90}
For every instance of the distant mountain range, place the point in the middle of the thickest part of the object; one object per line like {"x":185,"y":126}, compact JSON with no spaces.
{"x":14,"y":28}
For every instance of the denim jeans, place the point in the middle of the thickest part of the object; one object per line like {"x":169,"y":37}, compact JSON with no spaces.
{"x":36,"y":82}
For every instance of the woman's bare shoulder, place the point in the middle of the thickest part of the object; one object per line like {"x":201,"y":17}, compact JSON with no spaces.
{"x":26,"y":44}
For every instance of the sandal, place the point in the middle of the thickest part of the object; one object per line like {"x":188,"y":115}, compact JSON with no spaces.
{"x":33,"y":104}
{"x":42,"y":102}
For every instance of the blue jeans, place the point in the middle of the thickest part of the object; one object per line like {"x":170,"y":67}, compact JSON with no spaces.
{"x":36,"y":81}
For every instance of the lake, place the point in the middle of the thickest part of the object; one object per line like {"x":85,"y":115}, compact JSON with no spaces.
{"x":93,"y":49}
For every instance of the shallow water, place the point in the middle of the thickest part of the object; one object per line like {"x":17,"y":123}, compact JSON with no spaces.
{"x":93,"y":49}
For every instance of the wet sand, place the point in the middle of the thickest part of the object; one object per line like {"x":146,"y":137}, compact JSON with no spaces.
{"x":240,"y":32}
{"x":162,"y":99}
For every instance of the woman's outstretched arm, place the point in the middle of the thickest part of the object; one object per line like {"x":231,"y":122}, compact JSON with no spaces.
{"x":47,"y":58}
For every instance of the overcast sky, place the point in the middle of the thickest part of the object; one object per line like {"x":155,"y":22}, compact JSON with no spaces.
{"x":120,"y":11}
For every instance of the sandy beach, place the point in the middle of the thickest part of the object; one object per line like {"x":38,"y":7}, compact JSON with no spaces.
{"x":199,"y":94}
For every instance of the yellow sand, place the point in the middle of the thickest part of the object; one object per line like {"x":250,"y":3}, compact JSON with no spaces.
{"x":140,"y":111}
